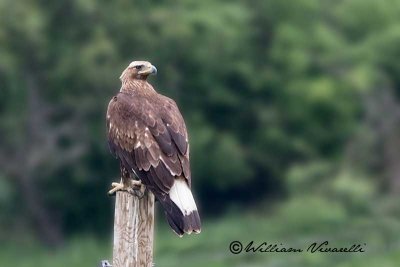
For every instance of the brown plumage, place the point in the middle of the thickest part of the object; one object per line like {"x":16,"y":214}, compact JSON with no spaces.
{"x":147,"y":133}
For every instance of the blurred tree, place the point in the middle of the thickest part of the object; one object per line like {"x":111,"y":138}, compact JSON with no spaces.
{"x":263,"y":85}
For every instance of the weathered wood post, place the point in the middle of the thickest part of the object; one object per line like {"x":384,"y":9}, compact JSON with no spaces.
{"x":133,"y":230}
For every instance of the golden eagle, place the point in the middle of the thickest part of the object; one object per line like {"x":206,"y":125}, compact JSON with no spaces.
{"x":147,"y":133}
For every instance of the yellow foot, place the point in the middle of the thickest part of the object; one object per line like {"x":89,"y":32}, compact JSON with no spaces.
{"x":121,"y":186}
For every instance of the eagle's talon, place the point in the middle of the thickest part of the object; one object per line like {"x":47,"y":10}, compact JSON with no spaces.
{"x":121,"y":186}
{"x":136,"y":184}
{"x":140,"y":191}
{"x":116,"y":187}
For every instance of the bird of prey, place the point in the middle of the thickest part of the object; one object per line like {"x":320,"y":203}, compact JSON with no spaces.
{"x":147,"y":133}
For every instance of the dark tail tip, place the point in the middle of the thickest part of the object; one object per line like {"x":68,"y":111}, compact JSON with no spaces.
{"x":192,"y":222}
{"x":180,"y":223}
{"x":184,"y":224}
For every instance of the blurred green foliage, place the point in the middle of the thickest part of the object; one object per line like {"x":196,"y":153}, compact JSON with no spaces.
{"x":298,"y":224}
{"x":292,"y":110}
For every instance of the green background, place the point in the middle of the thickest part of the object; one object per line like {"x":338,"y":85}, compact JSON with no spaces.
{"x":292,"y":109}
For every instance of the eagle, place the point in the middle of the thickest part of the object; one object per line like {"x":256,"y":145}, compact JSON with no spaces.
{"x":148,"y":135}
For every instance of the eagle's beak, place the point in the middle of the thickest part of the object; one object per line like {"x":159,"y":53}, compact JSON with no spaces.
{"x":149,"y":70}
{"x":153,"y":70}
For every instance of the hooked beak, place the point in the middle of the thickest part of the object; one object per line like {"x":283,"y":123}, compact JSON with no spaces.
{"x":148,"y":71}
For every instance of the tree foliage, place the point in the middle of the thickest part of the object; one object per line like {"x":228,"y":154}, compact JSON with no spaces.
{"x":263,"y":85}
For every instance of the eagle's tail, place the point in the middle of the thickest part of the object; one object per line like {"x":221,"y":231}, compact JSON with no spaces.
{"x":180,"y":209}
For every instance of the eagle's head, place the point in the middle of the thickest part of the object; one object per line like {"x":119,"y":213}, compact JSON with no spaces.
{"x":138,"y":70}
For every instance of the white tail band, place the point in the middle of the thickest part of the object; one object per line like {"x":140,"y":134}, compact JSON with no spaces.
{"x":181,"y":195}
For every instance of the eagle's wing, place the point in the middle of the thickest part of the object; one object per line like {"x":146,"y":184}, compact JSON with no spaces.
{"x":152,"y":141}
{"x":147,"y":141}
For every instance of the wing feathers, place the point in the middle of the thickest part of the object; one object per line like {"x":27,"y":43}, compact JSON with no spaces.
{"x":141,"y":160}
{"x":150,"y":138}
{"x":179,"y":139}
{"x":163,"y":138}
{"x":185,"y":167}
{"x":158,"y":175}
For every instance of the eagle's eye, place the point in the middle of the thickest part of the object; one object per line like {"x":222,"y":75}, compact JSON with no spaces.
{"x":138,"y":67}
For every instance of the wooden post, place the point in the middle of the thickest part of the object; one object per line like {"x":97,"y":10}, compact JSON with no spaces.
{"x":133,"y":230}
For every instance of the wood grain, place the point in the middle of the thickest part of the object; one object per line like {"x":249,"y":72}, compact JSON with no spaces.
{"x":133,"y":230}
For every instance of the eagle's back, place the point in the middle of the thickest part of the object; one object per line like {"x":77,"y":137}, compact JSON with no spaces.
{"x":147,"y":133}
